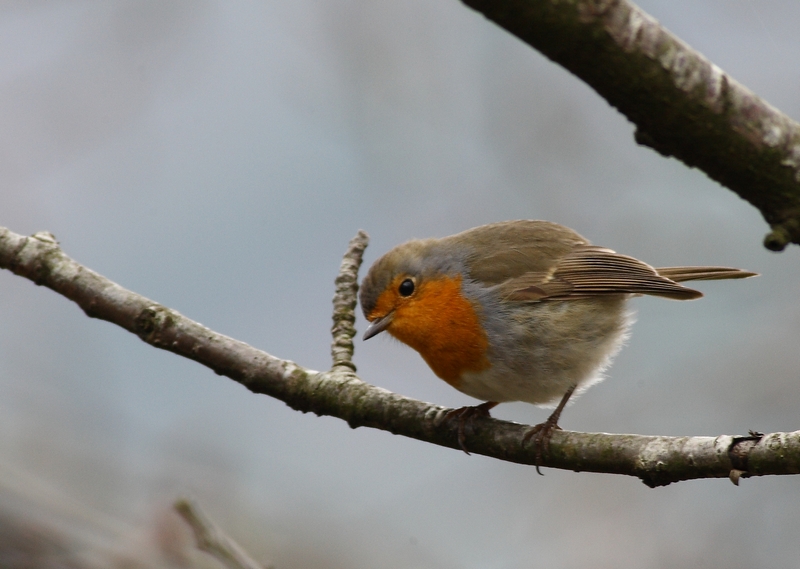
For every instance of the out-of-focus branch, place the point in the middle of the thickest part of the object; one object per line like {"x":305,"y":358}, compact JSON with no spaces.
{"x":340,"y":393}
{"x":211,"y":539}
{"x":682,"y":104}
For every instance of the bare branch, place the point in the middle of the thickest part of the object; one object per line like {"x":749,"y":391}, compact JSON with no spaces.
{"x":682,"y":104}
{"x":211,"y":539}
{"x":344,"y":303}
{"x":340,"y":393}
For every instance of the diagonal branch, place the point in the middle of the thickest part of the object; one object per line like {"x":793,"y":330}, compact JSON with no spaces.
{"x":210,"y":538}
{"x":681,"y":103}
{"x":657,"y":461}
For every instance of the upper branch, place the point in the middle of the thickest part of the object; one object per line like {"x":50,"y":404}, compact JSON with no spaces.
{"x":340,"y":393}
{"x":682,"y":104}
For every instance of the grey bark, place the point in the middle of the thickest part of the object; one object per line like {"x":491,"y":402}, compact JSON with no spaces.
{"x":657,"y":461}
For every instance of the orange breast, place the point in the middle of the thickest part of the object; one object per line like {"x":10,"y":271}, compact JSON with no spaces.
{"x":444,"y":327}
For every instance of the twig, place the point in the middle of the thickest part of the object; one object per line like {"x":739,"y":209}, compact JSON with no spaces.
{"x":211,"y":539}
{"x":344,"y":303}
{"x":340,"y":393}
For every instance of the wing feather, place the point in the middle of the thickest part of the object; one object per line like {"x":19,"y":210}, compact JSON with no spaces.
{"x":531,"y":261}
{"x":588,"y":270}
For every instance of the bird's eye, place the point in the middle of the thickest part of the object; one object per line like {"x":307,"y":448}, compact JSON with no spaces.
{"x":406,"y":288}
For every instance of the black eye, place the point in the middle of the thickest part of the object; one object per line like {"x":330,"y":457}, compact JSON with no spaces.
{"x":406,"y":288}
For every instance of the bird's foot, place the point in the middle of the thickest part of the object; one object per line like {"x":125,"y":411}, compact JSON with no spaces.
{"x":541,"y":435}
{"x":466,"y":415}
{"x":542,"y":432}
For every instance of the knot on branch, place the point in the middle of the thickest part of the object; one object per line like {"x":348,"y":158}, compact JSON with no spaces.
{"x":151,"y":322}
{"x":32,"y":256}
{"x":45,"y":237}
{"x":739,"y":453}
{"x":788,"y":231}
{"x":644,"y":138}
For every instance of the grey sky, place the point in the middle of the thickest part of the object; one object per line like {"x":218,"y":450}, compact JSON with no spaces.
{"x":217,"y":157}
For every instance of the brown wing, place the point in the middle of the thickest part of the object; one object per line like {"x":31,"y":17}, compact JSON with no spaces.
{"x":532,"y":260}
{"x":527,"y":249}
{"x":587,"y":271}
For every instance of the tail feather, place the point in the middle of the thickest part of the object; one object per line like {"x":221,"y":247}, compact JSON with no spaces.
{"x":680,"y":274}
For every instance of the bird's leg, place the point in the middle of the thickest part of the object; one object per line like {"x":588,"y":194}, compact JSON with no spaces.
{"x":542,"y":432}
{"x":465,"y":415}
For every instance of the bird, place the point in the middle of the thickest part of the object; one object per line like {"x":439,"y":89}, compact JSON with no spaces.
{"x":523,"y":310}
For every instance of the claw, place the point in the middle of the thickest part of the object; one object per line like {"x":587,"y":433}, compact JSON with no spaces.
{"x":542,"y":432}
{"x":541,"y":435}
{"x":465,"y":415}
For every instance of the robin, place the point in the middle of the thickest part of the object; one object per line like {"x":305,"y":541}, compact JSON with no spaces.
{"x":516,"y":311}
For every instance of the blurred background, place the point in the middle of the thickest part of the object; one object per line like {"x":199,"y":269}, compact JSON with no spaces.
{"x":218,"y":156}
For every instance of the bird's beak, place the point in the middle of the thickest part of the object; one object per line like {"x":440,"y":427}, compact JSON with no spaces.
{"x":378,"y":326}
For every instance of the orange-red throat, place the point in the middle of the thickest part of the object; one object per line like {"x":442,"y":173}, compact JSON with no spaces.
{"x":439,"y":322}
